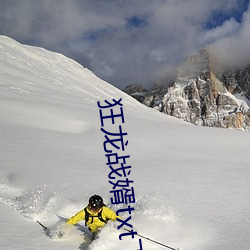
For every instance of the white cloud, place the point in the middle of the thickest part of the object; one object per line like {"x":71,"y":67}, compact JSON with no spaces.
{"x":228,"y":28}
{"x":233,"y":50}
{"x":97,"y":32}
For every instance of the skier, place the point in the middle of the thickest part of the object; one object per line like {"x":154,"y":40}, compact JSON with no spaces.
{"x":95,"y":214}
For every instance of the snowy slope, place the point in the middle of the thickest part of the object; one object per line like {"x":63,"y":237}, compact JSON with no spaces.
{"x":192,"y":183}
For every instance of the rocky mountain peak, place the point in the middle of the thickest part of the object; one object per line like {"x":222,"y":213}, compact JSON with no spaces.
{"x":196,"y":64}
{"x":200,"y":96}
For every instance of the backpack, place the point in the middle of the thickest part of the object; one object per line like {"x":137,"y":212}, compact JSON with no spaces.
{"x":99,"y":215}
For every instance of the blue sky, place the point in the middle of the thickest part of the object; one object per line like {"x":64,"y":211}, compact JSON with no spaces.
{"x":131,"y":41}
{"x":218,"y":17}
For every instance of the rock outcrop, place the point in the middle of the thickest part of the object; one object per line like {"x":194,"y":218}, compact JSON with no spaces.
{"x":199,"y":96}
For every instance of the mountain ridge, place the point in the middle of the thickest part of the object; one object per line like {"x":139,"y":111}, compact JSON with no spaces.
{"x":201,"y":95}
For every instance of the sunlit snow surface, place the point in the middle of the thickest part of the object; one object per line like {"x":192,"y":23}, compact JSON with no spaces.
{"x":192,"y":183}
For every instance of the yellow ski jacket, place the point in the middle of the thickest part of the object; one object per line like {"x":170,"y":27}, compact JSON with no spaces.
{"x":94,"y":223}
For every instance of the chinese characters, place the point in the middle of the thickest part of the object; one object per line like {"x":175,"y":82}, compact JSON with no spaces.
{"x":114,"y":145}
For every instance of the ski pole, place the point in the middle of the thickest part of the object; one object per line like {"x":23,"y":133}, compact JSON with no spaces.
{"x":45,"y":228}
{"x":159,"y":243}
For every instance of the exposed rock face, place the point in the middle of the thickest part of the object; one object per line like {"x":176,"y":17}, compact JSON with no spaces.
{"x":237,"y":81}
{"x":137,"y":91}
{"x":199,"y":97}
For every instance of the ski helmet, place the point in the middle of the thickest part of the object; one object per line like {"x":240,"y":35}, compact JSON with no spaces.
{"x":95,"y":202}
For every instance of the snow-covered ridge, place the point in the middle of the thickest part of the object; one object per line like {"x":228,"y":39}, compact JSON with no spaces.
{"x":35,"y":68}
{"x":33,"y":74}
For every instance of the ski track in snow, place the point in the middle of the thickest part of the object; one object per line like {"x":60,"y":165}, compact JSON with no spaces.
{"x":31,"y":204}
{"x":40,"y":204}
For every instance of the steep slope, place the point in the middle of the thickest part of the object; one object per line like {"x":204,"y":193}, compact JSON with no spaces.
{"x":191,"y":183}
